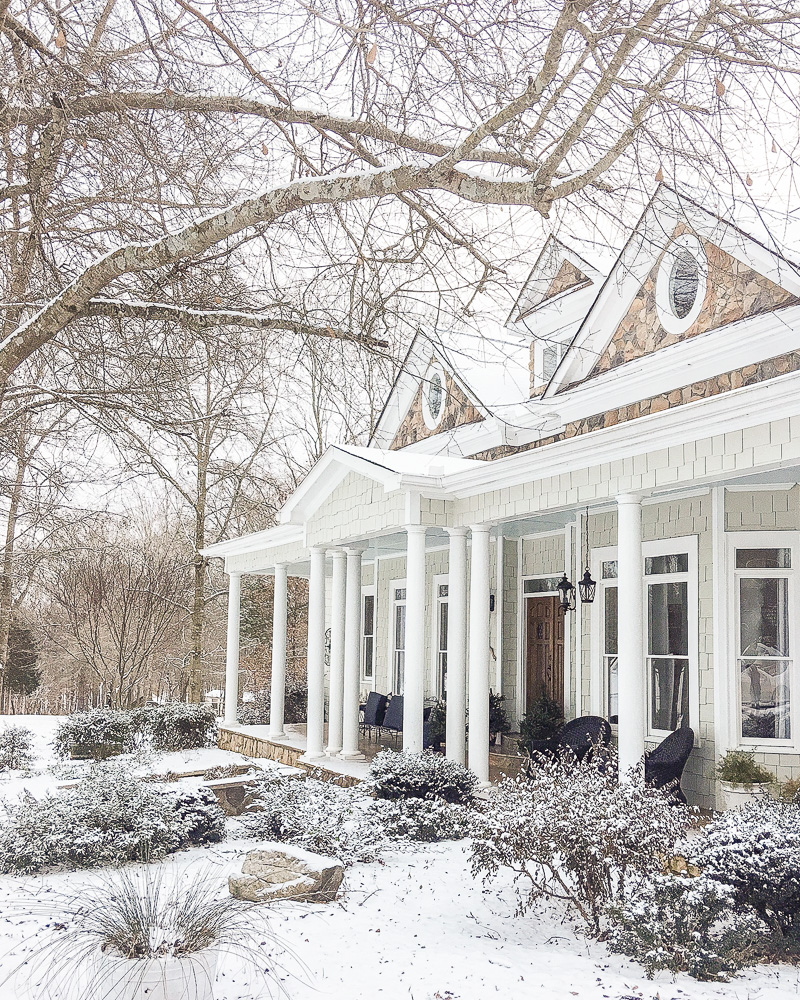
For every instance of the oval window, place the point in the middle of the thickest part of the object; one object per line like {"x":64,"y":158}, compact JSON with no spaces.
{"x":435,"y":394}
{"x":684,"y":283}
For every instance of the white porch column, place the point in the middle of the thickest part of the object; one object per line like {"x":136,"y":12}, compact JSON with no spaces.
{"x":352,"y":658}
{"x":479,"y":653}
{"x":315,"y":720}
{"x":336,"y":694}
{"x":414,"y":680}
{"x":457,"y":646}
{"x":279,"y":621}
{"x":232,"y":649}
{"x":631,"y":659}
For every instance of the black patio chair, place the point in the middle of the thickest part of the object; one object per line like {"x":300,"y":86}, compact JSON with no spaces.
{"x":393,"y":719}
{"x":580,"y":736}
{"x":663,"y":766}
{"x":373,"y":713}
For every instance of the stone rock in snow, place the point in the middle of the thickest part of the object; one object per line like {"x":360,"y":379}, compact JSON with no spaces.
{"x":279,"y":871}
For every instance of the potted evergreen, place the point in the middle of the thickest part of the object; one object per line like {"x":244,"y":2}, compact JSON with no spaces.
{"x":741,"y":778}
{"x":498,"y":719}
{"x":544,"y":720}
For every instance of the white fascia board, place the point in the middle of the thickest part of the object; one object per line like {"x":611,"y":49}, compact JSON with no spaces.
{"x":557,"y":318}
{"x":717,"y":352}
{"x":281,"y":534}
{"x":652,"y":235}
{"x":730,"y":411}
{"x":400,"y":399}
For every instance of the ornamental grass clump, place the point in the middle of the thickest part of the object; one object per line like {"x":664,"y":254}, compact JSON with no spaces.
{"x":423,"y":775}
{"x":572,"y":831}
{"x":739,"y":767}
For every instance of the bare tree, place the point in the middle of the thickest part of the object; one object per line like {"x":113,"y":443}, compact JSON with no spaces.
{"x":340,"y":153}
{"x":119,"y":598}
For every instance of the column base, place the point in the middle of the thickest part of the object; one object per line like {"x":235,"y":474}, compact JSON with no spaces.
{"x":351,"y":755}
{"x":277,"y":736}
{"x":332,"y":751}
{"x":313,"y":755}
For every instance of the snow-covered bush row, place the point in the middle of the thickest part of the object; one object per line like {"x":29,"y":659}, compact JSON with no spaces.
{"x":314,"y":815}
{"x":685,"y":924}
{"x":423,"y":775}
{"x":16,"y":748}
{"x":295,"y":705}
{"x":755,"y":850}
{"x":347,"y":823}
{"x":105,"y":732}
{"x":572,"y":831}
{"x":107,"y":818}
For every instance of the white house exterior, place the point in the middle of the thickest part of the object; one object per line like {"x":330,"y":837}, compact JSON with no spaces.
{"x":641,"y":421}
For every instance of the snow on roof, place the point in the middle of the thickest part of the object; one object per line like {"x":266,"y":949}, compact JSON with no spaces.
{"x":409,"y":464}
{"x":492,"y":366}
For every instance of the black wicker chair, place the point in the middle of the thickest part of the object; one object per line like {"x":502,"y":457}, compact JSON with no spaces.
{"x":580,"y":736}
{"x":393,"y":719}
{"x":663,"y":766}
{"x":373,"y":712}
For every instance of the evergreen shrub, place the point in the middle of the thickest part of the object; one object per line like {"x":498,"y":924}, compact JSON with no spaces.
{"x":423,"y":775}
{"x":108,"y":818}
{"x":16,"y":748}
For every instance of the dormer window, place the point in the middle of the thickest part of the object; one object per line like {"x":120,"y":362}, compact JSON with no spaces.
{"x":684,"y":283}
{"x":681,"y":284}
{"x":433,"y":397}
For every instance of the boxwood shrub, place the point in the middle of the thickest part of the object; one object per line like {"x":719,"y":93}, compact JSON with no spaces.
{"x":105,"y":732}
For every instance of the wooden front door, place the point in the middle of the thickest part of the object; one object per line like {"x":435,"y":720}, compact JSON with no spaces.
{"x":544,"y":653}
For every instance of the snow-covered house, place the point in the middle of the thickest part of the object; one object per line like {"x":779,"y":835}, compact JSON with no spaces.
{"x":640,"y":421}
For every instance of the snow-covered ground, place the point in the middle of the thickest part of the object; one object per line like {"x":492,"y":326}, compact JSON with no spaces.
{"x":416,"y":927}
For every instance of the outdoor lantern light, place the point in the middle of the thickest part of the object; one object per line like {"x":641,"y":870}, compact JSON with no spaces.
{"x":567,"y":592}
{"x":587,"y":587}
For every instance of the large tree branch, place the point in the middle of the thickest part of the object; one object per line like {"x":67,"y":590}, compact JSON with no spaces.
{"x":263,"y":209}
{"x":92,"y":105}
{"x":207,"y":319}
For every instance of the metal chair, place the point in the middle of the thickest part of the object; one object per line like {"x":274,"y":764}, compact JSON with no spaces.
{"x":373,"y":713}
{"x":393,"y":719}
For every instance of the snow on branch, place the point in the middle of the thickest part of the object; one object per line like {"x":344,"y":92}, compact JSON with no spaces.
{"x":206,"y":319}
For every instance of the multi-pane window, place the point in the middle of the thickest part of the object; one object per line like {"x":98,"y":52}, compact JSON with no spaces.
{"x":541,"y":585}
{"x":442,"y":605}
{"x":399,"y":633}
{"x":609,"y":595}
{"x":368,"y":638}
{"x":764,"y":651}
{"x":667,"y":581}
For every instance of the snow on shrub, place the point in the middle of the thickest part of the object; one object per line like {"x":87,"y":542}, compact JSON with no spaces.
{"x":107,"y":818}
{"x":426,"y":820}
{"x":106,"y":732}
{"x":683,"y":924}
{"x":315,"y":815}
{"x":755,"y":850}
{"x":99,"y":733}
{"x":572,"y":831}
{"x":178,"y":726}
{"x":423,"y":775}
{"x":16,"y":748}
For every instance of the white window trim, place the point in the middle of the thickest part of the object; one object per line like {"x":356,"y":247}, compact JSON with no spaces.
{"x":432,"y":422}
{"x":657,"y":547}
{"x":441,"y":579}
{"x":763,"y":540}
{"x":663,"y":547}
{"x":369,"y":591}
{"x":672,"y":323}
{"x":393,"y":585}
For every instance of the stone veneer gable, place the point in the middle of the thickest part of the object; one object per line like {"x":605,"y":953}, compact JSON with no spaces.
{"x":458,"y":410}
{"x":734,"y":292}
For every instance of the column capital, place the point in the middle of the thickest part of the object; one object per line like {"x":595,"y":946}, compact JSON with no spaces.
{"x":356,"y":549}
{"x":629,"y":498}
{"x":233,"y":572}
{"x":459,"y":532}
{"x":337,"y":553}
{"x":416,"y":529}
{"x":280,"y":566}
{"x":478,"y":529}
